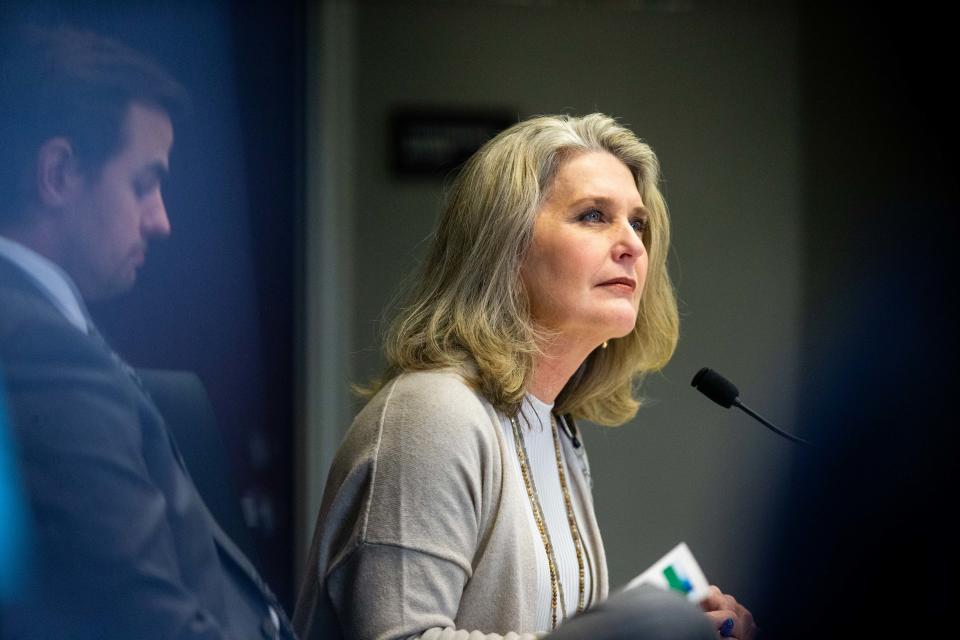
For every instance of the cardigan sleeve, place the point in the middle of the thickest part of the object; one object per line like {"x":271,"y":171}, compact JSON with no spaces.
{"x":386,"y":592}
{"x":430,"y":488}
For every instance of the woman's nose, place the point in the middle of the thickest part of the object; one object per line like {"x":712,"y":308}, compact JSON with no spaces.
{"x":629,"y":242}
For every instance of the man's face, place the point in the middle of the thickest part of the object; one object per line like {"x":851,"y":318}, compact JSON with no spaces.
{"x":117,"y":211}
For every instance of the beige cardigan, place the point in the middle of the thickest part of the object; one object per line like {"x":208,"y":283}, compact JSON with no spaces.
{"x":424,"y":527}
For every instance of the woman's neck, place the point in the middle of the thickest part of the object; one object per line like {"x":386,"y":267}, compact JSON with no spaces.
{"x":559,"y":359}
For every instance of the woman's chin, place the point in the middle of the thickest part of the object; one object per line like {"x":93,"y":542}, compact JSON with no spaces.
{"x":597,"y":328}
{"x":620,"y":330}
{"x":624,"y":325}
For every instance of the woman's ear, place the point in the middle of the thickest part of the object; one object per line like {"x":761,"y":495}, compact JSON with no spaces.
{"x":58,"y":178}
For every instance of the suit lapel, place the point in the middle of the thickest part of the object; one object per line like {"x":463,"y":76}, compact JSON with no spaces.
{"x":243,"y":563}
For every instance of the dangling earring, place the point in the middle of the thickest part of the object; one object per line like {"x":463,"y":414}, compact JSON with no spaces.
{"x":604,"y":345}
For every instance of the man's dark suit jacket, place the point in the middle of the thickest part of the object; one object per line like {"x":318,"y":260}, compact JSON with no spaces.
{"x":124,"y":546}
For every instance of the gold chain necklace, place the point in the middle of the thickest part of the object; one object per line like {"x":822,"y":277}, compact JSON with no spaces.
{"x":556,"y":592}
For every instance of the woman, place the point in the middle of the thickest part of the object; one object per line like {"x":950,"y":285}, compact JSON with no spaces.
{"x":460,"y":499}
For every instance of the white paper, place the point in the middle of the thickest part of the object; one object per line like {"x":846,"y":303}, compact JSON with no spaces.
{"x":677,"y":571}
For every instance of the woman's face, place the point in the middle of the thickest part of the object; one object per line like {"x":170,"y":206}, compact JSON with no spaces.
{"x":585,"y":269}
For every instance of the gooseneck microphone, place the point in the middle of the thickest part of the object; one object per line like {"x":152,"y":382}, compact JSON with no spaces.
{"x":725,"y":393}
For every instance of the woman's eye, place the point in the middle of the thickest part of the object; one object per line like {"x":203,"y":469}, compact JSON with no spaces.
{"x":639,"y":225}
{"x":592,"y":216}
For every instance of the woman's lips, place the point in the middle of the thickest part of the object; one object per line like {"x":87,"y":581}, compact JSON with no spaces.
{"x":620,"y":284}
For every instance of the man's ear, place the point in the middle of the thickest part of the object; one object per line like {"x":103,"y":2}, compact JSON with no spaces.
{"x":58,"y":176}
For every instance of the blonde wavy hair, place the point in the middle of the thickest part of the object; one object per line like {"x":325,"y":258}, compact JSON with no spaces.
{"x":468,"y":308}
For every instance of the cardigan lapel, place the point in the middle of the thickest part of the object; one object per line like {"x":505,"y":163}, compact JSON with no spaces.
{"x":578,"y":466}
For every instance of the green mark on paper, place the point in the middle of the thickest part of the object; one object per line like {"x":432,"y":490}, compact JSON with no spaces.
{"x":675,"y":582}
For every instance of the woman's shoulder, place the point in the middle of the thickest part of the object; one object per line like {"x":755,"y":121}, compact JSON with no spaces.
{"x":434,"y":383}
{"x":440,"y":400}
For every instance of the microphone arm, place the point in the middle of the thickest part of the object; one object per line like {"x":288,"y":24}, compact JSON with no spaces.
{"x":768,"y":424}
{"x":725,"y":393}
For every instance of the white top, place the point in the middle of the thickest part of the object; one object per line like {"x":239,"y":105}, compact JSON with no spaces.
{"x":536,"y":430}
{"x":51,"y":279}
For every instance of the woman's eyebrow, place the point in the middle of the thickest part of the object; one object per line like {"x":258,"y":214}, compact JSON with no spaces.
{"x":642,"y":211}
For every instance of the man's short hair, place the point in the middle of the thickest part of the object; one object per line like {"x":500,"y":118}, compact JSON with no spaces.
{"x":75,"y":84}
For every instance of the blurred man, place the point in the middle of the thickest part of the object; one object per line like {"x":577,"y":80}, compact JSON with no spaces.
{"x":125,"y":547}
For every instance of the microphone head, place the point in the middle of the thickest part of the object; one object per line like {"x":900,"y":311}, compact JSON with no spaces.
{"x":716,"y":387}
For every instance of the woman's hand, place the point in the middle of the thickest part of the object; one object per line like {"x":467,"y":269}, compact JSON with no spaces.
{"x":730,"y":618}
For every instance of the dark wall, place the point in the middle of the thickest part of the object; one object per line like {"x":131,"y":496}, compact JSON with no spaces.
{"x":217,"y":297}
{"x":865,"y":539}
